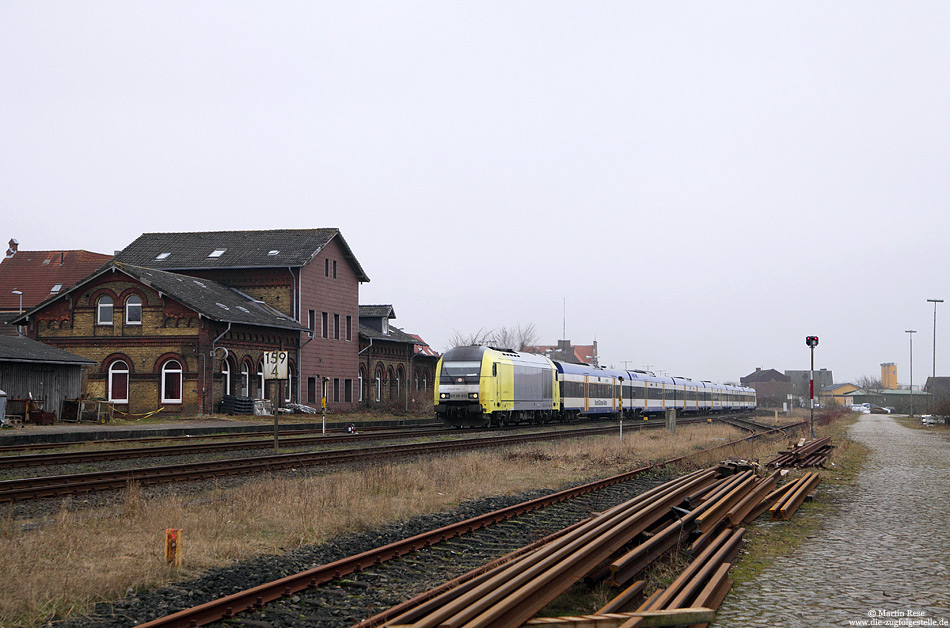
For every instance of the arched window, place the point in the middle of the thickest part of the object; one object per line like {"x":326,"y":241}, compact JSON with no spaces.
{"x":379,"y":384}
{"x":133,"y":310}
{"x":104,"y":310}
{"x":119,"y":382}
{"x":245,"y":379}
{"x":359,"y":391}
{"x":289,"y":385}
{"x":260,"y":379}
{"x":226,"y":375}
{"x":171,"y":382}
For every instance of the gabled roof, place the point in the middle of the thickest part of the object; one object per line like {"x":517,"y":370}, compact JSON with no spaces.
{"x":37,"y":273}
{"x":395,"y":335}
{"x":273,"y":248}
{"x":208,"y":298}
{"x":23,"y":349}
{"x":377,"y":311}
{"x":765,"y":375}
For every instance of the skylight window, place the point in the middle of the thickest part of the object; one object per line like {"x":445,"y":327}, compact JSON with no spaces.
{"x":223,"y":306}
{"x":199,"y":283}
{"x":217,"y":252}
{"x":274,"y":252}
{"x":243,"y":309}
{"x":162,"y":256}
{"x":56,"y":288}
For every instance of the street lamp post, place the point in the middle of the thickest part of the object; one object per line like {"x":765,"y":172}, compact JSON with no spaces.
{"x":933,"y":390}
{"x":812,"y":342}
{"x":910,"y":333}
{"x":19,"y":293}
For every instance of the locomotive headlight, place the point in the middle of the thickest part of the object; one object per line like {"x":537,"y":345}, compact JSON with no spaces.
{"x":473,"y":395}
{"x":443,"y":395}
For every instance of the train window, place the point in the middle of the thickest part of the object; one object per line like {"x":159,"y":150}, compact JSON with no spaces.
{"x":461,"y":369}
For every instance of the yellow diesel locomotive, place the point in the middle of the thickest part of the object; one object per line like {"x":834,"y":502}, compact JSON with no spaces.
{"x":481,"y":386}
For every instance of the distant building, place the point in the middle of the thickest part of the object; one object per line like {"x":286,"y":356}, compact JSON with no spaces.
{"x":939,"y":387}
{"x":800,"y":382}
{"x":889,"y":376}
{"x":564,"y":351}
{"x":771,"y":387}
{"x":836,"y":393}
{"x":39,"y":275}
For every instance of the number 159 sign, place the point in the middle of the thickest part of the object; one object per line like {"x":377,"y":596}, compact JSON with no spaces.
{"x":275,"y":365}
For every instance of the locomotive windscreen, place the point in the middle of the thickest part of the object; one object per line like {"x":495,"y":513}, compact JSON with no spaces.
{"x":462,"y":364}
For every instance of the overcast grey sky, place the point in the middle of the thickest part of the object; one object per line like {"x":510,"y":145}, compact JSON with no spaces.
{"x":705,"y":183}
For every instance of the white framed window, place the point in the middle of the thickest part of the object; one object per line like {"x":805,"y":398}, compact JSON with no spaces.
{"x":245,"y":380}
{"x":133,"y":310}
{"x":359,"y":390}
{"x":260,"y":379}
{"x":289,"y":386}
{"x":226,"y":376}
{"x":119,"y":382}
{"x":104,"y":310}
{"x":171,"y":382}
{"x":379,"y":388}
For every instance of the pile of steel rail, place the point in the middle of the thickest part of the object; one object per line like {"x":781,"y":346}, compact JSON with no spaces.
{"x":811,"y":454}
{"x":700,"y":511}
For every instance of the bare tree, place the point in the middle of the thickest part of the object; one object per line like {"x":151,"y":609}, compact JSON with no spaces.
{"x":868,"y":382}
{"x":481,"y":337}
{"x":517,"y":338}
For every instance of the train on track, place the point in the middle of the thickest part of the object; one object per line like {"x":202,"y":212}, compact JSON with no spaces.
{"x":478,"y":386}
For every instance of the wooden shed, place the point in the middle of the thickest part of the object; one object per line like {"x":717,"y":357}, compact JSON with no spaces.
{"x":50,"y":375}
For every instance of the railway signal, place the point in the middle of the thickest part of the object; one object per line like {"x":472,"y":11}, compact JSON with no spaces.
{"x":812,"y":342}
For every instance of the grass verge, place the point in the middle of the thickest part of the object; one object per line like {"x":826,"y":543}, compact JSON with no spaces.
{"x":61,"y":566}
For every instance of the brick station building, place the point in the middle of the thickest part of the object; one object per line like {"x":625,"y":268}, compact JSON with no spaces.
{"x":311,"y":275}
{"x":154,"y":334}
{"x":395,"y":367}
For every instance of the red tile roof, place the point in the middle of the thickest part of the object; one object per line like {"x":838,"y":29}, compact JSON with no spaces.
{"x":36,"y":273}
{"x":423,"y":347}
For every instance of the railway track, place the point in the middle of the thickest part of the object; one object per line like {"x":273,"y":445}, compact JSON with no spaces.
{"x":130,"y":453}
{"x":257,"y":597}
{"x":17,"y":490}
{"x":265,"y":431}
{"x":53,"y":486}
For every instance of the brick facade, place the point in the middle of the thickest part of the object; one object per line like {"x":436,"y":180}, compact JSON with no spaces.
{"x":172,"y":343}
{"x":321,"y":276}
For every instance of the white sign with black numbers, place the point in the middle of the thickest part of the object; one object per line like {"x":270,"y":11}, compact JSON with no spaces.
{"x":275,"y":365}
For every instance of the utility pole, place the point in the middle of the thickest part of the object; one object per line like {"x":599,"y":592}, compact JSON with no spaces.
{"x":911,"y":333}
{"x":933,"y":389}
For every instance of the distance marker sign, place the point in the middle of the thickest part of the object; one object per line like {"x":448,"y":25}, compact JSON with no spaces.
{"x":275,"y":365}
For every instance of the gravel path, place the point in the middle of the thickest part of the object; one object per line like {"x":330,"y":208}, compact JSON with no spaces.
{"x":883,"y":558}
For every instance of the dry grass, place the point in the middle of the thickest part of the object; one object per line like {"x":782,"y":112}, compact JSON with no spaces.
{"x":84,"y":556}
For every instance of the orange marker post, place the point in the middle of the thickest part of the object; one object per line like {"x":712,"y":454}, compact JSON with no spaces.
{"x":173,"y":546}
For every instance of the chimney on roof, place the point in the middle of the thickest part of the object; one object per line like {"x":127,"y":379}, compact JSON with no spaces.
{"x":14,"y":245}
{"x":758,"y":368}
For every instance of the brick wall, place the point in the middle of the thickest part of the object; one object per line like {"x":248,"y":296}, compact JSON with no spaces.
{"x":329,"y":286}
{"x":169,"y":331}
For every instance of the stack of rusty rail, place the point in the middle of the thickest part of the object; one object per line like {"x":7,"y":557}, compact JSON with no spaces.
{"x":705,"y":505}
{"x":811,"y":454}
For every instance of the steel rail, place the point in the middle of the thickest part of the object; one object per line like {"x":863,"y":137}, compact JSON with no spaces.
{"x":50,"y":486}
{"x":131,"y":453}
{"x":257,"y":597}
{"x":267,"y":430}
